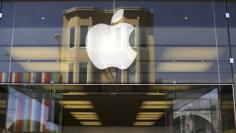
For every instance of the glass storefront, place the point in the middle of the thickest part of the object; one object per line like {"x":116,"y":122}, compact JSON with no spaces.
{"x":175,"y":41}
{"x":69,"y":66}
{"x":113,"y":108}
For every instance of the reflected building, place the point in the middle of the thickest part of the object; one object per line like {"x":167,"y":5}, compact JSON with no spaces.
{"x":76,"y":66}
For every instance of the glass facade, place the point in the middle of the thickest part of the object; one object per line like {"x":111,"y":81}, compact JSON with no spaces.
{"x":61,"y":60}
{"x":114,"y":108}
{"x":178,"y":41}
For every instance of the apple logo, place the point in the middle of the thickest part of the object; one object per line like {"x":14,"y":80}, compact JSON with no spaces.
{"x":108,"y":46}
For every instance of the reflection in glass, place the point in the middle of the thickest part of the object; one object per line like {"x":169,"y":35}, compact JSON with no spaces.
{"x":26,"y":114}
{"x":131,"y":73}
{"x":72,"y":37}
{"x":83,"y":72}
{"x":83,"y":34}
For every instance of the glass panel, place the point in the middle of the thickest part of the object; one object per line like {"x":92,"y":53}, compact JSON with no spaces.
{"x":3,"y":108}
{"x":72,"y":37}
{"x":177,"y":41}
{"x":118,"y":108}
{"x":132,"y":39}
{"x":118,"y":75}
{"x":83,"y":72}
{"x":70,"y":73}
{"x":227,"y":109}
{"x":96,"y":75}
{"x":83,"y":34}
{"x":184,"y":33}
{"x":28,"y":110}
{"x":231,"y":9}
{"x":131,"y":74}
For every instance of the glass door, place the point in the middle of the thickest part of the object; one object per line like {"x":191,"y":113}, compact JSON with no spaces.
{"x":31,"y":110}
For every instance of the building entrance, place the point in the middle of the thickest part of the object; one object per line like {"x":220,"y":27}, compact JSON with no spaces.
{"x":117,"y":108}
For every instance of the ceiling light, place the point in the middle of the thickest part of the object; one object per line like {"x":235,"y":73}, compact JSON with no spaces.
{"x":148,"y":118}
{"x":77,"y":104}
{"x":85,"y":115}
{"x":156,"y":104}
{"x":191,"y":53}
{"x":156,"y":94}
{"x":35,"y":53}
{"x":74,"y":93}
{"x":85,"y":118}
{"x":144,"y":123}
{"x":149,"y":115}
{"x":175,"y":88}
{"x":95,"y":123}
{"x":184,"y":66}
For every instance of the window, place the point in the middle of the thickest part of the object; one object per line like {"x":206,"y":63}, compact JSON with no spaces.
{"x":143,"y":37}
{"x":131,"y":73}
{"x":144,"y":72}
{"x":83,"y":34}
{"x":83,"y":72}
{"x":70,"y":73}
{"x":118,"y":75}
{"x":96,"y":75}
{"x":132,"y":38}
{"x":72,"y":37}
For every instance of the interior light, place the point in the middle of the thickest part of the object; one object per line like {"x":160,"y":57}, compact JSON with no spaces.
{"x":74,"y":93}
{"x":77,"y":104}
{"x":156,"y":104}
{"x":175,"y":88}
{"x":85,"y":115}
{"x":89,"y":123}
{"x":144,"y":123}
{"x":184,"y":66}
{"x":156,"y":94}
{"x":149,"y":115}
{"x":191,"y":53}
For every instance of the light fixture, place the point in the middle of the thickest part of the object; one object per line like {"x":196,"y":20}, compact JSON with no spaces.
{"x":149,"y":115}
{"x":74,"y":93}
{"x":91,"y":123}
{"x":85,"y":115}
{"x":156,"y":94}
{"x":77,"y":104}
{"x":143,"y":123}
{"x":156,"y":104}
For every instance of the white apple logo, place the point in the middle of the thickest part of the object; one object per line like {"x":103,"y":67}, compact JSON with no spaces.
{"x":108,"y":46}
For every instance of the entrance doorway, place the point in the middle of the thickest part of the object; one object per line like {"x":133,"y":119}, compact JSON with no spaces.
{"x":117,"y":108}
